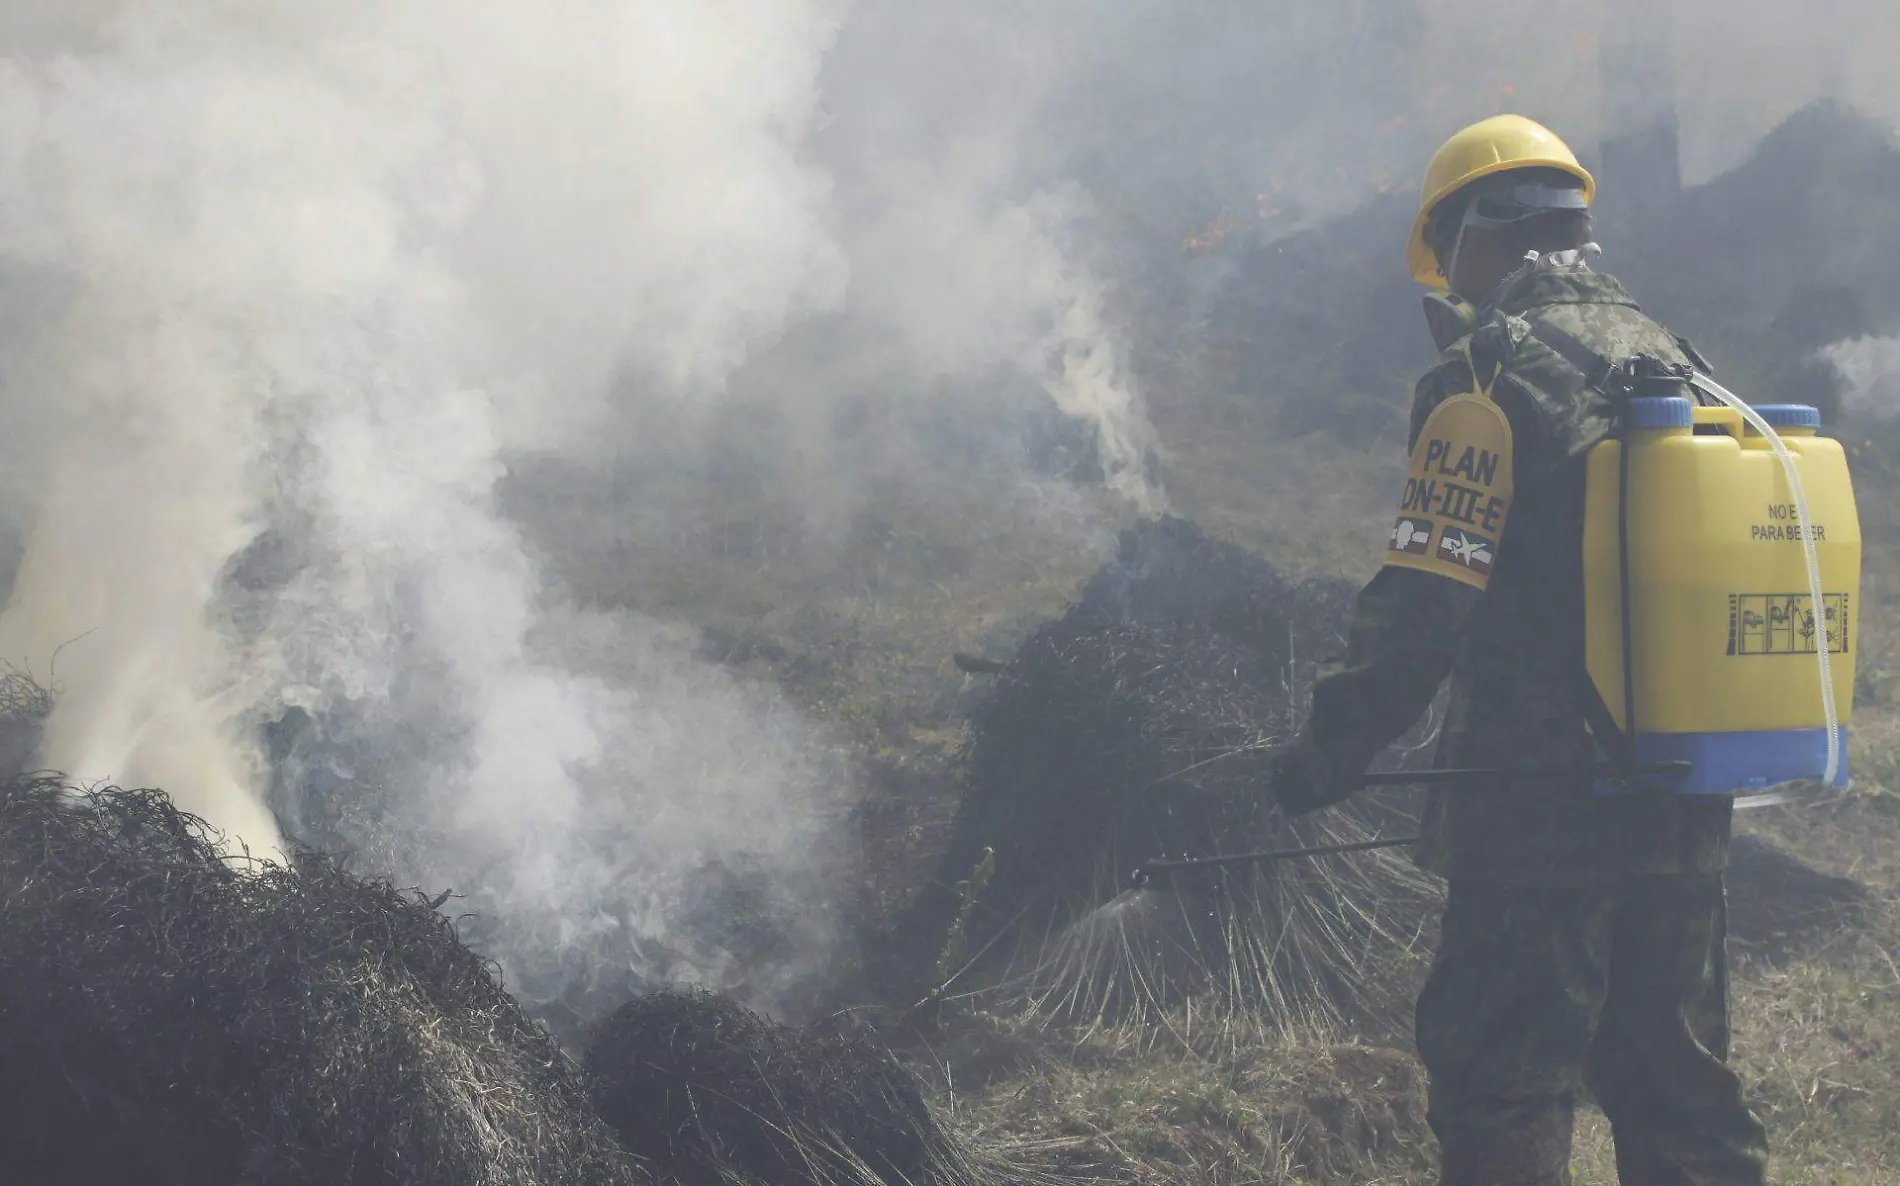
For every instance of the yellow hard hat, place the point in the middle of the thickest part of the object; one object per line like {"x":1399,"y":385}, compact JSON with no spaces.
{"x":1489,"y":146}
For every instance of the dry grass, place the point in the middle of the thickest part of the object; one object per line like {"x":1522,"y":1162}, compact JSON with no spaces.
{"x":709,"y":1094}
{"x":1134,"y":728}
{"x":1206,"y":1102}
{"x":173,"y":1012}
{"x":1215,"y":1104}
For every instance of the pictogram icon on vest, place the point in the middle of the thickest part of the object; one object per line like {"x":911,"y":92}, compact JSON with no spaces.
{"x":1412,"y":535}
{"x":1468,"y":548}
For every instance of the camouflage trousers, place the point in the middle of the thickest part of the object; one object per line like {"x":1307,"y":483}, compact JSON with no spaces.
{"x":1538,"y":993}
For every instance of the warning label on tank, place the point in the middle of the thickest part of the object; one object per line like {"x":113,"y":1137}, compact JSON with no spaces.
{"x":1783,"y":623}
{"x":1783,"y":523}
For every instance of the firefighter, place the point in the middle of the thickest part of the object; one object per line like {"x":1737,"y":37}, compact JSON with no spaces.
{"x":1583,"y":940}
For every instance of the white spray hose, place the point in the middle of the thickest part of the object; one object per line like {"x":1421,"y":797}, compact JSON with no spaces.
{"x":1817,"y":605}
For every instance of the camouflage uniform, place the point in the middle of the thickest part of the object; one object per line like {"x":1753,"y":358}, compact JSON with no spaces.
{"x":1584,"y":936}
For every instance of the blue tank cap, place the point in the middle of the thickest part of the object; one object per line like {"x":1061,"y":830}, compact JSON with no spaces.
{"x":1790,"y":415}
{"x":1673,"y":411}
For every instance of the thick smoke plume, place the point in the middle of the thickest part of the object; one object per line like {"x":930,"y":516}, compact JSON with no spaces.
{"x":301,"y":276}
{"x":289,"y":286}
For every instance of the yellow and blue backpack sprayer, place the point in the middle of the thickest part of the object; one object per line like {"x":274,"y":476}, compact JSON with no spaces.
{"x":1721,"y":561}
{"x":1722,"y":586}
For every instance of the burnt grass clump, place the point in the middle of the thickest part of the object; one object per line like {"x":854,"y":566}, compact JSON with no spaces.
{"x":171,"y":1013}
{"x":711,"y":1093}
{"x":1138,"y":725}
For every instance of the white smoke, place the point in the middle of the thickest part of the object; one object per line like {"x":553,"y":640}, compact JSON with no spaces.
{"x":289,"y":284}
{"x":960,"y":271}
{"x":1870,"y":372}
{"x":315,"y":269}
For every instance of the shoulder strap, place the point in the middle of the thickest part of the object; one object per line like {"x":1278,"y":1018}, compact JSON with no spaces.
{"x":1592,"y":365}
{"x":1596,"y":369}
{"x":1481,"y":384}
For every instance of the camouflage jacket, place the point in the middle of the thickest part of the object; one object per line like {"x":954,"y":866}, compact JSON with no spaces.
{"x":1512,"y":640}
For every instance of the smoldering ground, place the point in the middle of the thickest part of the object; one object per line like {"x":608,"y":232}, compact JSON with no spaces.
{"x":291,"y":290}
{"x":302,"y":278}
{"x":294,"y":284}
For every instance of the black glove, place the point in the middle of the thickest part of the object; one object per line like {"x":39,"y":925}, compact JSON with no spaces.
{"x":1302,"y":780}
